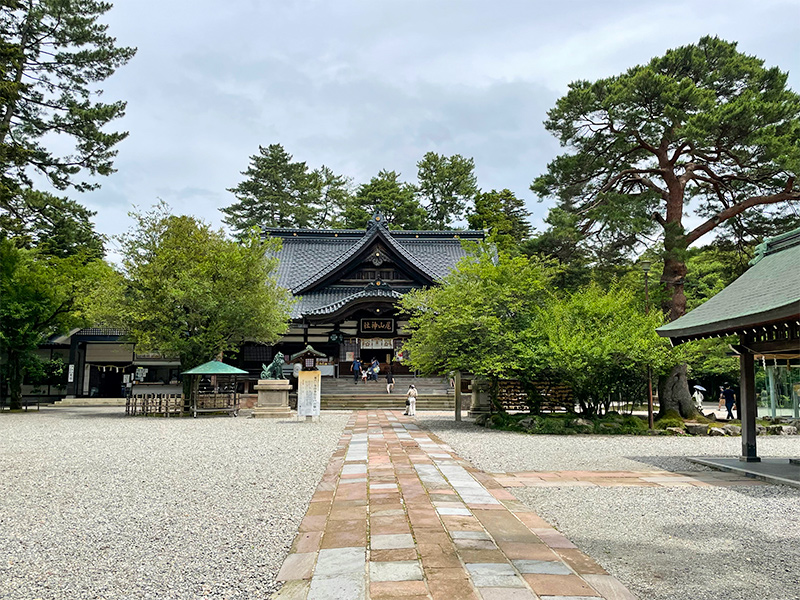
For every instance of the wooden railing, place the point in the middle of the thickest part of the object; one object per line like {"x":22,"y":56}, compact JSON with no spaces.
{"x":154,"y":404}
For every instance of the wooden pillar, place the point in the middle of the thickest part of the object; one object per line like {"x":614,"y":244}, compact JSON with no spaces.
{"x":457,"y":393}
{"x":747,"y":399}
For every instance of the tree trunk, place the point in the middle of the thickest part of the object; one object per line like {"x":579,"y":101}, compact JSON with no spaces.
{"x":673,"y":390}
{"x":673,"y":393}
{"x":673,"y":279}
{"x":14,"y":381}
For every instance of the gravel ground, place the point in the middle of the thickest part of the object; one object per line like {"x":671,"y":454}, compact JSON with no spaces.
{"x":497,"y":451}
{"x":97,"y":505}
{"x":702,"y":543}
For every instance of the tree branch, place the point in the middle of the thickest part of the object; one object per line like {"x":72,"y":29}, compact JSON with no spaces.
{"x":787,"y":194}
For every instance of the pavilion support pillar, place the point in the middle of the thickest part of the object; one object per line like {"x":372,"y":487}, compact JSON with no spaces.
{"x":747,"y":400}
{"x":457,"y":393}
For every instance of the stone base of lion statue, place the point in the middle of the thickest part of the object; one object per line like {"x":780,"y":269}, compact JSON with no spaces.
{"x":273,"y":399}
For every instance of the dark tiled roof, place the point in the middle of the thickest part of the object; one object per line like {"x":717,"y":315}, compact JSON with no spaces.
{"x":334,"y":306}
{"x":769,"y":291}
{"x":301,"y":257}
{"x":101,"y":331}
{"x":308,"y":255}
{"x":319,"y":302}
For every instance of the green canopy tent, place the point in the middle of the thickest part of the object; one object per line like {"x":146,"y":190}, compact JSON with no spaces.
{"x":214,"y":388}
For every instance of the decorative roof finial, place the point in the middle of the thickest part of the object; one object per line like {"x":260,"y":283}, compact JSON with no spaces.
{"x":377,"y":219}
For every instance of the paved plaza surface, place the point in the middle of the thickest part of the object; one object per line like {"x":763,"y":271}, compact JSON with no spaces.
{"x":665,"y":527}
{"x":374,"y":504}
{"x":399,"y":514}
{"x":97,"y":505}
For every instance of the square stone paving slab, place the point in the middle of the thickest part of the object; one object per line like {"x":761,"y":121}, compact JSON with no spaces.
{"x":391,"y":541}
{"x":406,"y":570}
{"x":338,"y":561}
{"x":352,"y":586}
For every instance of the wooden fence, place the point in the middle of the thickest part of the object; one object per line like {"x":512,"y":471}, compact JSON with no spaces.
{"x":554,"y":397}
{"x":154,"y":404}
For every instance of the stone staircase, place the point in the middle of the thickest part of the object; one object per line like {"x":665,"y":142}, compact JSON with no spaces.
{"x":434,"y":393}
{"x":90,"y":402}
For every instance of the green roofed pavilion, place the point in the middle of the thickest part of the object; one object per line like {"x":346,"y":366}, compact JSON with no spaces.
{"x":767,"y":294}
{"x":215,"y":367}
{"x":762,"y":307}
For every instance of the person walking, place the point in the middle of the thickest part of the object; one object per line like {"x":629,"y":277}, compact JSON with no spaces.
{"x":411,"y":401}
{"x":698,"y":398}
{"x":730,"y":400}
{"x":375,"y":368}
{"x":356,"y":370}
{"x":389,"y":381}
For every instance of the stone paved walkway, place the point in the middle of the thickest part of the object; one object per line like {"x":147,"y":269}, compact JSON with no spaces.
{"x":623,"y":479}
{"x":399,"y":515}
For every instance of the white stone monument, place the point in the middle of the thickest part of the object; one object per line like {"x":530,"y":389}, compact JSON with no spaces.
{"x":273,"y":399}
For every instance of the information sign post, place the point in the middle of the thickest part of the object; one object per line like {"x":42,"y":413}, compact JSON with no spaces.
{"x":308,"y":393}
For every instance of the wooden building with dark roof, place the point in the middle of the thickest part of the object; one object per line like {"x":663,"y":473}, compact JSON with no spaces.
{"x":346,"y":284}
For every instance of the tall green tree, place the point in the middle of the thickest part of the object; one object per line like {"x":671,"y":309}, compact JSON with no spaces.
{"x":191,"y":293}
{"x":276,"y":192}
{"x":704,"y":128}
{"x":53,"y":55}
{"x":447,"y":187}
{"x":333,"y":192}
{"x":601,"y":343}
{"x":504,"y":216}
{"x":481,"y":319}
{"x":561,"y":242}
{"x":40,"y":295}
{"x":392,"y":197}
{"x":56,"y":226}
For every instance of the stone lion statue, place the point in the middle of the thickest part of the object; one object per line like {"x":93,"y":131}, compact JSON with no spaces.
{"x":275,"y":368}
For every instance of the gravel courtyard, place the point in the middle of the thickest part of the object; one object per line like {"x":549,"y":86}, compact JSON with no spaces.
{"x":97,"y":505}
{"x":663,"y":543}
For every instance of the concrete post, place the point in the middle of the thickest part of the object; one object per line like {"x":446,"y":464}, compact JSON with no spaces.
{"x":457,"y":391}
{"x":773,"y":391}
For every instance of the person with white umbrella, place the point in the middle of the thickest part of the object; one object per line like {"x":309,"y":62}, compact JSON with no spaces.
{"x":698,"y":397}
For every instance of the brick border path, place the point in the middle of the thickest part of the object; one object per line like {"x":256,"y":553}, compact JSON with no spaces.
{"x":399,"y":514}
{"x":623,"y":479}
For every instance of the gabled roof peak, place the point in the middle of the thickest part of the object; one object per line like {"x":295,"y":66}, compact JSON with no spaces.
{"x":377,"y":220}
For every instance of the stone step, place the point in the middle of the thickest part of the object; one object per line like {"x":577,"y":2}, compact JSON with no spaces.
{"x":90,"y":402}
{"x":386,"y":401}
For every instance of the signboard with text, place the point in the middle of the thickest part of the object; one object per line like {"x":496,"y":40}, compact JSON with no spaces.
{"x":376,"y":326}
{"x":308,"y":392}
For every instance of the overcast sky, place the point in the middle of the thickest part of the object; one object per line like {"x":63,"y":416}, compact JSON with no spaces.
{"x":367,"y":85}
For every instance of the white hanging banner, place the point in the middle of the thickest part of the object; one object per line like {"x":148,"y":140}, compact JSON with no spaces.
{"x":308,"y":392}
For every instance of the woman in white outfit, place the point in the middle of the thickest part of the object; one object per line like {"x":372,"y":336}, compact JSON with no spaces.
{"x":411,"y":401}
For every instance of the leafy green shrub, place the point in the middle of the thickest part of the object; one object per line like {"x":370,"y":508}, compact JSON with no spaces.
{"x":633,"y":425}
{"x":553,"y":426}
{"x":672,"y":418}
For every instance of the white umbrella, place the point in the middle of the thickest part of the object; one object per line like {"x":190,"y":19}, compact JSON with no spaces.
{"x":700,"y":387}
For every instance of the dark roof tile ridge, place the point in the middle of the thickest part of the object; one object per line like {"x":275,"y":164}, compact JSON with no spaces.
{"x":320,"y":310}
{"x":311,"y":232}
{"x":453,"y":233}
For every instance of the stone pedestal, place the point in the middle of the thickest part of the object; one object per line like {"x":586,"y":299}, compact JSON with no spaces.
{"x":273,"y":399}
{"x":481,"y":404}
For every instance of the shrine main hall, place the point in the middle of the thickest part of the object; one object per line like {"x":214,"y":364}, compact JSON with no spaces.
{"x":346,"y":284}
